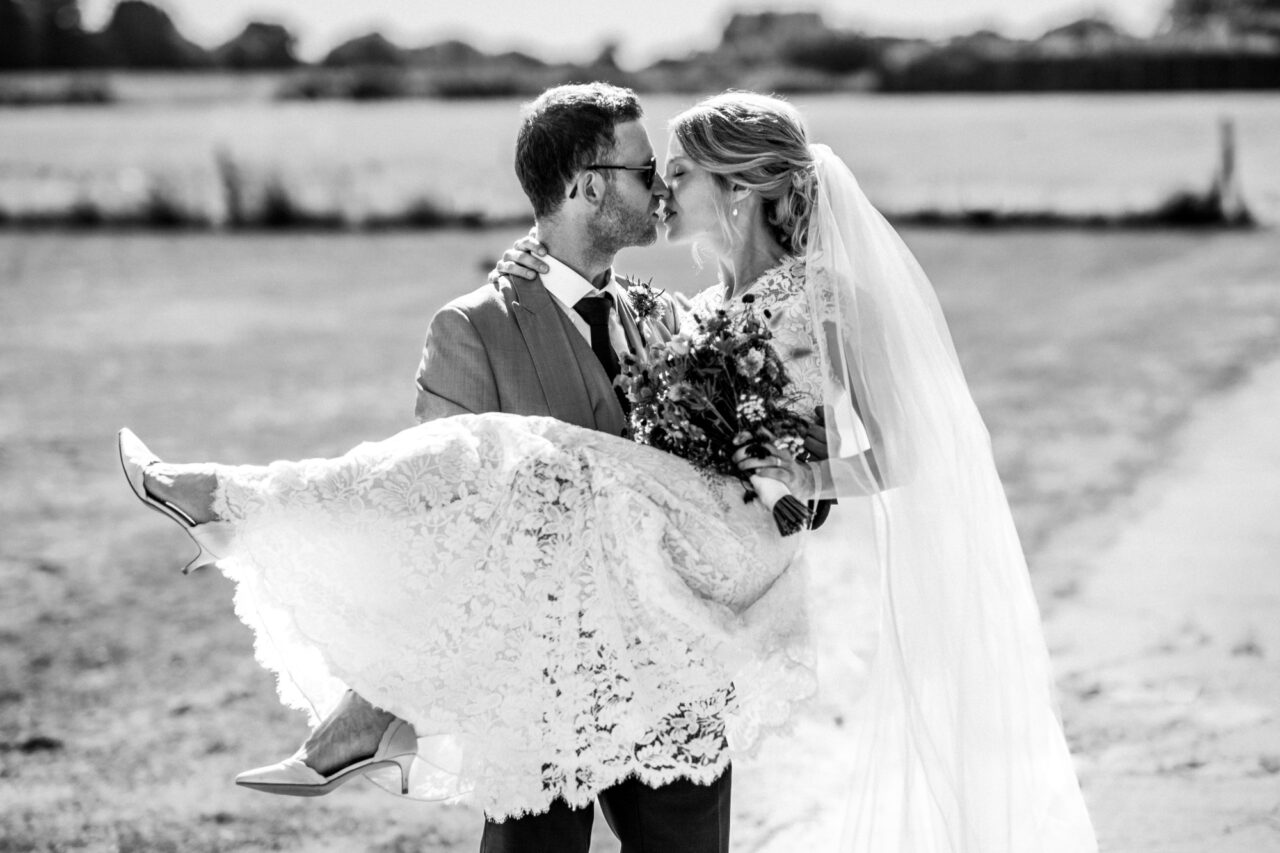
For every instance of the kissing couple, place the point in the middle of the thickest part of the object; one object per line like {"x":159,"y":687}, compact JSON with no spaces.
{"x":541,"y":597}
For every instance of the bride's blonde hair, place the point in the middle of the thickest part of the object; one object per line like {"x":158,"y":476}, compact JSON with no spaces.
{"x":760,"y":143}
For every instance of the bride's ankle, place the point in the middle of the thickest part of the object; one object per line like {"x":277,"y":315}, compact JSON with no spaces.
{"x":190,"y":488}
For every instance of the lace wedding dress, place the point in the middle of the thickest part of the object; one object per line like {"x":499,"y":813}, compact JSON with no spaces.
{"x":554,"y":609}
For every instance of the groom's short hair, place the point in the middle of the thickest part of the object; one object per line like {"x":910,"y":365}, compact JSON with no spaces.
{"x":565,"y":129}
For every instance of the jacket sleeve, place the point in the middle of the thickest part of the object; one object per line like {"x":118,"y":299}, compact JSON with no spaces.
{"x":454,"y":376}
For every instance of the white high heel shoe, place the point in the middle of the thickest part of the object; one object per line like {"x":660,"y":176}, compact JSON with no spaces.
{"x":293,"y":778}
{"x":210,"y":537}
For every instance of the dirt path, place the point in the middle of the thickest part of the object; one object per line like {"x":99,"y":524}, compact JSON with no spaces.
{"x":1168,"y":654}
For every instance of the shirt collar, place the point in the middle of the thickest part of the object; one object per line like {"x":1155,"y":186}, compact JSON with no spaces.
{"x":568,"y":287}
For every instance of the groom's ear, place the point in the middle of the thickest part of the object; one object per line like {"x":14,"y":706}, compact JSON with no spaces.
{"x":591,"y":187}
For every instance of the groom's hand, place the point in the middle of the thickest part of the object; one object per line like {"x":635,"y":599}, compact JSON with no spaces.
{"x":522,"y":260}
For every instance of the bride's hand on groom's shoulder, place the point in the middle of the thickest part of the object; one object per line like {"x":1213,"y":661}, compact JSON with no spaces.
{"x":522,"y":260}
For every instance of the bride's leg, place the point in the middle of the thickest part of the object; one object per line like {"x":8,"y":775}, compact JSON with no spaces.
{"x":355,"y":737}
{"x":188,"y":487}
{"x":356,"y":732}
{"x":351,"y":733}
{"x":355,"y":728}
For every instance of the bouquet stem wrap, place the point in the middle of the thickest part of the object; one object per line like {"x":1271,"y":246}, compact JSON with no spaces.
{"x":789,"y":513}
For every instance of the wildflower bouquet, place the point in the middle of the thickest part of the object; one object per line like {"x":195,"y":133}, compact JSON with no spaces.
{"x":706,"y":393}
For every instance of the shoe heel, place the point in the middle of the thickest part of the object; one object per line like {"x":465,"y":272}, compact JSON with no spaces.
{"x":405,"y":763}
{"x":201,"y":560}
{"x":214,"y":539}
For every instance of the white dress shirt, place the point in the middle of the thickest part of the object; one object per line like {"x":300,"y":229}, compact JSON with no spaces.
{"x":567,"y":287}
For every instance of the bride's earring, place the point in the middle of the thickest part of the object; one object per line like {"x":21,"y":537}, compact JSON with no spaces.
{"x":735,"y":211}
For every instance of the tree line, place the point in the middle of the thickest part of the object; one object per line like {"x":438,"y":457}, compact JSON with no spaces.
{"x":1202,"y":44}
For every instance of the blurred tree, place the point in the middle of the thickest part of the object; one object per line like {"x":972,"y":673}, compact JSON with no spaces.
{"x":518,"y":59}
{"x":371,"y":49}
{"x":761,"y":34}
{"x":1092,"y":30}
{"x":19,"y":42}
{"x":445,"y":54}
{"x":1088,"y":36}
{"x":62,"y":41}
{"x":1239,"y":16}
{"x":140,"y":35}
{"x":832,"y":51}
{"x":603,"y":67}
{"x":258,"y":46}
{"x":607,"y":58}
{"x":1192,"y":9}
{"x":1187,"y":10}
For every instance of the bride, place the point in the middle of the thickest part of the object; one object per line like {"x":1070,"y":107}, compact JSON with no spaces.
{"x":546,"y":609}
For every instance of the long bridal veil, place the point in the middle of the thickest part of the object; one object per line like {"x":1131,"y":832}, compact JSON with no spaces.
{"x":958,"y":745}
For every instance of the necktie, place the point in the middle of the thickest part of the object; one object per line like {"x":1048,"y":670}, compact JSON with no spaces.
{"x":595,"y":310}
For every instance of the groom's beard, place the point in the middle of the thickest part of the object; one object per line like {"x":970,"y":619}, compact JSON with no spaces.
{"x":617,"y":226}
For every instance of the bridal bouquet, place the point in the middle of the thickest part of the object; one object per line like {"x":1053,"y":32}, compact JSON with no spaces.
{"x":708,"y":392}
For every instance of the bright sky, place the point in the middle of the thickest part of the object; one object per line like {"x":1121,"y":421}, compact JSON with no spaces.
{"x":575,"y":29}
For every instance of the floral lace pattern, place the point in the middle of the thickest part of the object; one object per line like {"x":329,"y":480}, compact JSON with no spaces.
{"x":554,"y":609}
{"x":781,"y":292}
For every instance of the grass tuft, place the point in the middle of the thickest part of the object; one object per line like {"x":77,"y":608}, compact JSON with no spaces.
{"x":76,"y":91}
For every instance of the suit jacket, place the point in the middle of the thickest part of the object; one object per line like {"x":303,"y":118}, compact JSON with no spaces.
{"x":508,"y":347}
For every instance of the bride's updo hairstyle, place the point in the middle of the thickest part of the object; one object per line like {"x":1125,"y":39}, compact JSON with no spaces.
{"x":759,"y":143}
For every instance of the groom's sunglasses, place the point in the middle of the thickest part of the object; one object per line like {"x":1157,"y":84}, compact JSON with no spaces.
{"x":648,"y":172}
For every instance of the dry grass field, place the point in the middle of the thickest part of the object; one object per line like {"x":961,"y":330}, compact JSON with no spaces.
{"x":128,"y":694}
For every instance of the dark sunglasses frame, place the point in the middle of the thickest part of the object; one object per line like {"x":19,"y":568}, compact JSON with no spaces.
{"x":649,"y":172}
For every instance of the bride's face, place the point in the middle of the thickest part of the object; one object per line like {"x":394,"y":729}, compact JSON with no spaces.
{"x":690,"y":211}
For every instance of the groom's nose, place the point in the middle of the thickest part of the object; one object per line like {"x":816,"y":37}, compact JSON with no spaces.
{"x":660,"y":188}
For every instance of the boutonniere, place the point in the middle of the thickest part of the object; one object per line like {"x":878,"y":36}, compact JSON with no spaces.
{"x":645,"y":299}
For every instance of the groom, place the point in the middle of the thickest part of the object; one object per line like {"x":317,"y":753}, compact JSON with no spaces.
{"x":552,"y":347}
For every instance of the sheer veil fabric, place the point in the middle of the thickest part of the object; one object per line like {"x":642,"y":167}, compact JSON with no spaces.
{"x":958,"y":745}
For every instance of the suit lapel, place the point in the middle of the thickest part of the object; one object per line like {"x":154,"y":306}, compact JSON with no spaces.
{"x":573,"y":382}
